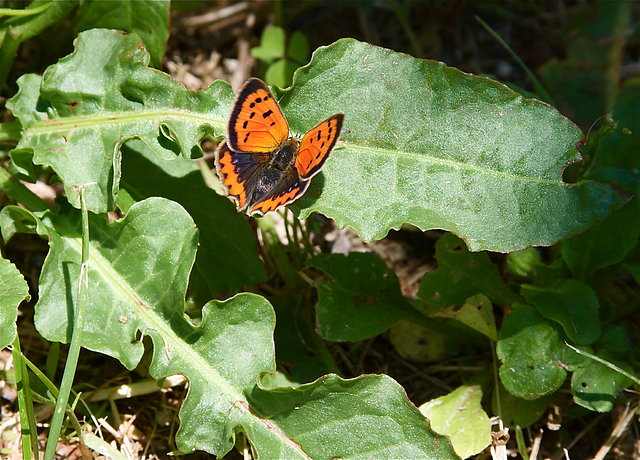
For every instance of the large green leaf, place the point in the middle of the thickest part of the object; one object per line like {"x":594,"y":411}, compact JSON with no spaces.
{"x":427,"y":144}
{"x":438,"y":148}
{"x":227,"y":254}
{"x":13,"y":290}
{"x":148,"y":18}
{"x":76,"y":117}
{"x":138,"y":271}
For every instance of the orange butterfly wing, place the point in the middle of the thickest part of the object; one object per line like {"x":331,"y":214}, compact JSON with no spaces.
{"x":316,"y":145}
{"x":256,"y":124}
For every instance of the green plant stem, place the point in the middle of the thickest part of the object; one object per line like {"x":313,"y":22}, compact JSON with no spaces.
{"x":8,"y":50}
{"x":76,"y":338}
{"x":12,"y":187}
{"x":28,"y":430}
{"x":24,"y":12}
{"x":534,"y":80}
{"x":611,"y":366}
{"x":496,"y":377}
{"x":54,"y":392}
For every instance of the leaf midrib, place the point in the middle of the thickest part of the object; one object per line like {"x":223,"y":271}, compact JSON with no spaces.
{"x":98,"y":262}
{"x":454,"y":164}
{"x":182,"y":348}
{"x":49,"y":126}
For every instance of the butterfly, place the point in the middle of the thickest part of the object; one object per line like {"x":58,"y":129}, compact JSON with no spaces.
{"x":259,"y":164}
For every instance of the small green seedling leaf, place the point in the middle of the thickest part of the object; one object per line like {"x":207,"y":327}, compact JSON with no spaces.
{"x":462,"y":274}
{"x":530,"y":348}
{"x":298,"y":50}
{"x":362,"y":298}
{"x":280,"y":73}
{"x":13,"y":290}
{"x":459,"y":416}
{"x":477,"y":313}
{"x":573,"y":305}
{"x":272,"y":44}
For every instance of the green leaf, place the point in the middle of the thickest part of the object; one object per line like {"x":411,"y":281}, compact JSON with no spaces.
{"x":138,"y":271}
{"x":604,"y":244}
{"x":357,"y":418}
{"x":459,"y":416}
{"x":531,"y":351}
{"x":477,"y":313}
{"x":15,"y":219}
{"x":227,"y":253}
{"x":462,"y":274}
{"x":13,"y":290}
{"x":596,"y":387}
{"x":573,"y":305}
{"x":93,"y":100}
{"x":362,"y":298}
{"x":149,"y":19}
{"x":438,"y":148}
{"x":298,"y":50}
{"x":280,"y":73}
{"x":271,"y":46}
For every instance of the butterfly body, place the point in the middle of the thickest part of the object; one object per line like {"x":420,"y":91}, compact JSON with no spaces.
{"x":261,"y":167}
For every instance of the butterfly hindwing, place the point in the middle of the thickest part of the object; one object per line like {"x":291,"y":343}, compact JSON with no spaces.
{"x":256,"y":124}
{"x":316,"y":145}
{"x":239,"y":172}
{"x":288,"y":189}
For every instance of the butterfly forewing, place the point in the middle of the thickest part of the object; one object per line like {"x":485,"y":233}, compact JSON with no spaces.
{"x":316,"y":145}
{"x":256,"y":124}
